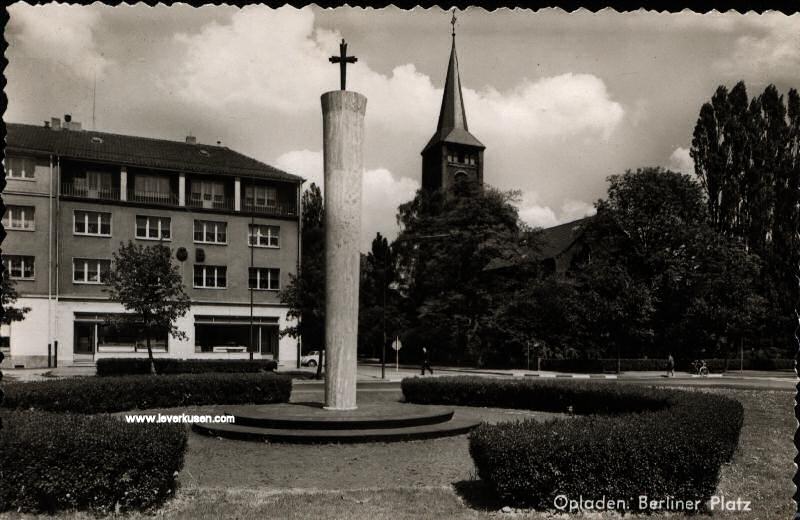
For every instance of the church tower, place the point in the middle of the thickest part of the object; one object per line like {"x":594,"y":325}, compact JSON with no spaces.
{"x":452,"y":154}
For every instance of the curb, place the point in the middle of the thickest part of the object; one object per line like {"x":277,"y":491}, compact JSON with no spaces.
{"x":574,"y":376}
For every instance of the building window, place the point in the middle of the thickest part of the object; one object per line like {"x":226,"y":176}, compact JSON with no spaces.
{"x":265,"y":278}
{"x":96,"y":185}
{"x":260,"y":197}
{"x":210,"y":277}
{"x":20,"y":167}
{"x":210,"y":232}
{"x":153,"y":228}
{"x":92,"y":223}
{"x":124,"y":337}
{"x":472,"y":160}
{"x":264,"y":236}
{"x":151,"y":188}
{"x":19,"y":267}
{"x":90,"y":270}
{"x":208,"y":194}
{"x":19,"y":217}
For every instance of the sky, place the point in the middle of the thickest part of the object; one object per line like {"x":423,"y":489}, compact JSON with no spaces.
{"x":561,"y":100}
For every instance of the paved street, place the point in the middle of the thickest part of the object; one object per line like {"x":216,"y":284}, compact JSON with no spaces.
{"x":371,"y":373}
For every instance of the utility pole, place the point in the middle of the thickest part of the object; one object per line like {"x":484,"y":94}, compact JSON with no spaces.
{"x":528,"y":343}
{"x":252,"y":253}
{"x":383,"y":349}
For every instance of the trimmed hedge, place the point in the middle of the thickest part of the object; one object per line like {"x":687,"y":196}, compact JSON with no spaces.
{"x":133,"y":366}
{"x":51,"y":462}
{"x":643,"y":441}
{"x":115,"y":394}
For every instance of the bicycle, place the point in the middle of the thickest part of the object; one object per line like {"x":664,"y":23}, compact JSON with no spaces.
{"x":700,"y":368}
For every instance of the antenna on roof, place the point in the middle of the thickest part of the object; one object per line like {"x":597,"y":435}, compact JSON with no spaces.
{"x":94,"y":95}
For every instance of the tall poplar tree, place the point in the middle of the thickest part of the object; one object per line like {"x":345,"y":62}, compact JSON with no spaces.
{"x":747,"y":158}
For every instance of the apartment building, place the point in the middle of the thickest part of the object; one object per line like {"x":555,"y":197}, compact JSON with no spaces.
{"x":73,"y":196}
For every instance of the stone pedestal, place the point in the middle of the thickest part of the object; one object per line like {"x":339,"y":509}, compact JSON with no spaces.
{"x":343,"y":141}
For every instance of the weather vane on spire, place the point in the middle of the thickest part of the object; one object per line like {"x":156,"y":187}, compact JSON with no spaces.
{"x":453,"y":22}
{"x":343,"y":59}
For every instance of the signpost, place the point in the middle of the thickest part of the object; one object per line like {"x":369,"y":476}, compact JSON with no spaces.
{"x":396,"y":345}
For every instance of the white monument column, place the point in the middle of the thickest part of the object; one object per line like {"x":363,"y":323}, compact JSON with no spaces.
{"x":343,"y":140}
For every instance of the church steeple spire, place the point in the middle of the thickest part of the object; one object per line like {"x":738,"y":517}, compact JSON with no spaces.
{"x":452,"y":114}
{"x":452,"y":153}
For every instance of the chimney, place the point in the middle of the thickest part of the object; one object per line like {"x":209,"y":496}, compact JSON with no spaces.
{"x":69,"y":124}
{"x":55,"y":123}
{"x":190,"y":139}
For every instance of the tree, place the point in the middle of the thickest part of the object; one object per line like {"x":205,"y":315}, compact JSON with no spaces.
{"x":8,"y":297}
{"x":447,"y":242}
{"x":659,"y":277}
{"x":747,"y":157}
{"x":149,"y":286}
{"x":380,"y":315}
{"x":305,"y":293}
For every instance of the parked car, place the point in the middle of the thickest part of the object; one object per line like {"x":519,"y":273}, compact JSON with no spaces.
{"x":311,"y":359}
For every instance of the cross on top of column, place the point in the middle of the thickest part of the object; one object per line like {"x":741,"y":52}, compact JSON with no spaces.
{"x":343,"y":59}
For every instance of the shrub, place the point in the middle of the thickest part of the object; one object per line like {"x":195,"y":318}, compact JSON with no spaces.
{"x":549,"y":396}
{"x":114,"y":394}
{"x":50,"y":462}
{"x":132,"y":366}
{"x":643,"y":441}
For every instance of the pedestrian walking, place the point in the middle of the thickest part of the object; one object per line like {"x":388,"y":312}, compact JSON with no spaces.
{"x":425,"y":362}
{"x":670,"y":366}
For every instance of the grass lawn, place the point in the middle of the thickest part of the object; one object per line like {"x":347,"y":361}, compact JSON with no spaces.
{"x":435,"y":478}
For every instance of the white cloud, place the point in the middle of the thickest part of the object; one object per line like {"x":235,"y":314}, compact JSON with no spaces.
{"x":289,"y":69}
{"x":381,"y":193}
{"x":771,"y":49}
{"x":305,"y":163}
{"x":561,"y":106}
{"x":538,"y":215}
{"x":58,"y":35}
{"x":576,"y":209}
{"x":680,"y":160}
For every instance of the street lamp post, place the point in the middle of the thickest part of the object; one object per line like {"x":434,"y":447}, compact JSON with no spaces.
{"x":528,"y":343}
{"x":383,"y":347}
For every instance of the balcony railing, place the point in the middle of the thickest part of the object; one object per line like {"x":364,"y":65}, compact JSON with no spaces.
{"x":223,"y":203}
{"x":154,"y":197}
{"x":71,"y":190}
{"x":277,"y":209}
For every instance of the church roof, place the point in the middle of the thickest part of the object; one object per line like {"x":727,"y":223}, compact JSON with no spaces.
{"x":452,"y":127}
{"x":558,"y":239}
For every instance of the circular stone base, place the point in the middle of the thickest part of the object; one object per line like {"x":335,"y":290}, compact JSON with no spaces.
{"x":312,"y":423}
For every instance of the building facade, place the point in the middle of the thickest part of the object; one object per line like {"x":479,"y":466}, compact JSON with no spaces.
{"x":453,"y":153}
{"x":73,"y":196}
